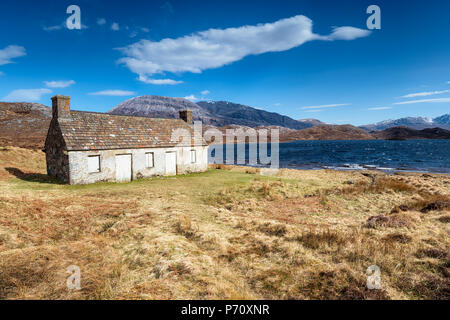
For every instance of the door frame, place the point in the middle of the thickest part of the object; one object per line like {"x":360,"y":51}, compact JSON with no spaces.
{"x":165,"y":162}
{"x":131,"y":163}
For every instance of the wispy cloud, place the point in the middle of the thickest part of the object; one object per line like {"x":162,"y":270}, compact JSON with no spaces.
{"x":11,"y":52}
{"x":205,"y":92}
{"x":62,"y":26}
{"x":326,"y":106}
{"x":2,"y":73}
{"x":52,"y":28}
{"x":379,"y":108}
{"x":146,"y":30}
{"x":425,"y":94}
{"x":158,"y":81}
{"x":113,"y":93}
{"x":215,"y":48}
{"x":437,"y":100}
{"x":115,"y":26}
{"x":59,"y":84}
{"x":346,"y":33}
{"x":277,"y":104}
{"x":167,"y":7}
{"x":191,"y":98}
{"x":101,"y":21}
{"x":26,"y":95}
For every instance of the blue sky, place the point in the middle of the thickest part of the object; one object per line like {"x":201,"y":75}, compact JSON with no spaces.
{"x":304,"y":59}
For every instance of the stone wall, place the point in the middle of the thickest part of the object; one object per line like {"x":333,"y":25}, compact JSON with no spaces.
{"x":78,"y":163}
{"x":56,"y":156}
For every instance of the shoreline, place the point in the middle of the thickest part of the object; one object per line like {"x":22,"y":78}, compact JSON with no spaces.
{"x":349,"y":170}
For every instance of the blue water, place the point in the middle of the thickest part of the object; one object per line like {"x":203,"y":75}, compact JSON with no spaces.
{"x":389,"y":156}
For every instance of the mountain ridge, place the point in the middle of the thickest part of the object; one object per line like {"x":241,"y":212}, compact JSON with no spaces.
{"x":26,"y":124}
{"x":240,"y":114}
{"x":217,"y":113}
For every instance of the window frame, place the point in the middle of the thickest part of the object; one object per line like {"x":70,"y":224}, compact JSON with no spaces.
{"x":193,"y":156}
{"x":146,"y":160}
{"x":99,"y":164}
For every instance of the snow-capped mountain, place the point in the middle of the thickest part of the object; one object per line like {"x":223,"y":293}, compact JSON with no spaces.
{"x":417,"y":123}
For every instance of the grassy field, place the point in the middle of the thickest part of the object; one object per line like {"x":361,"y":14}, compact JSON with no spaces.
{"x":229,"y":233}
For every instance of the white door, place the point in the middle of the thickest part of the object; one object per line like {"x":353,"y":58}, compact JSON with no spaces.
{"x":123,"y":167}
{"x":171,"y":163}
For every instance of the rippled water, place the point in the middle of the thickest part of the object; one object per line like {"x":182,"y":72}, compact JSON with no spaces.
{"x":409,"y":155}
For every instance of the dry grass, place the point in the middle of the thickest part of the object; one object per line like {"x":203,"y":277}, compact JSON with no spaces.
{"x":229,"y":233}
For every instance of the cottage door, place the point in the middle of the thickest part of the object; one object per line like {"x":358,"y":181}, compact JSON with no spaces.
{"x":171,"y":163}
{"x":123,"y":168}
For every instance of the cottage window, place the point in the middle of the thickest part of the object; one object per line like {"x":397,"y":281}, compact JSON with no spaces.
{"x":94,"y":164}
{"x":193,"y":156}
{"x":150,"y":159}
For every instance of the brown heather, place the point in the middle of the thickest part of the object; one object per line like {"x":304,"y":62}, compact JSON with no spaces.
{"x":230,"y":233}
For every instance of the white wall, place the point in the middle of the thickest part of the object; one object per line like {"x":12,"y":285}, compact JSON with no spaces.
{"x":78,"y":163}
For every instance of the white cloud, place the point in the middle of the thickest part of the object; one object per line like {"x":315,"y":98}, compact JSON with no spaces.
{"x":158,"y":81}
{"x":205,"y":92}
{"x":145,"y":29}
{"x":439,"y":100}
{"x":11,"y":52}
{"x":325,"y":106}
{"x":28,"y":95}
{"x":113,"y":93}
{"x":2,"y":73}
{"x":101,"y":21}
{"x":277,"y":104}
{"x":379,"y":108}
{"x":59,"y":84}
{"x":192,"y":98}
{"x":424,"y":94}
{"x":215,"y":48}
{"x":115,"y":26}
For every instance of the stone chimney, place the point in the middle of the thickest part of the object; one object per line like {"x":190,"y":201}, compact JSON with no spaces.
{"x":61,"y":107}
{"x":186,"y":115}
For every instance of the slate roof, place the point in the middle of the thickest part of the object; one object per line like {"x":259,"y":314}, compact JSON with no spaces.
{"x":102,"y":131}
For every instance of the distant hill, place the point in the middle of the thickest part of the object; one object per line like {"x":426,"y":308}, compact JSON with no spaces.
{"x":312,"y":122}
{"x":417,"y":123}
{"x":405,"y":133}
{"x":159,"y":107}
{"x":24,"y":124}
{"x":328,"y":132}
{"x":233,"y":113}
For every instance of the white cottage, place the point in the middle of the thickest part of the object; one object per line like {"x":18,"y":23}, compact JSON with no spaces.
{"x":87,"y":147}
